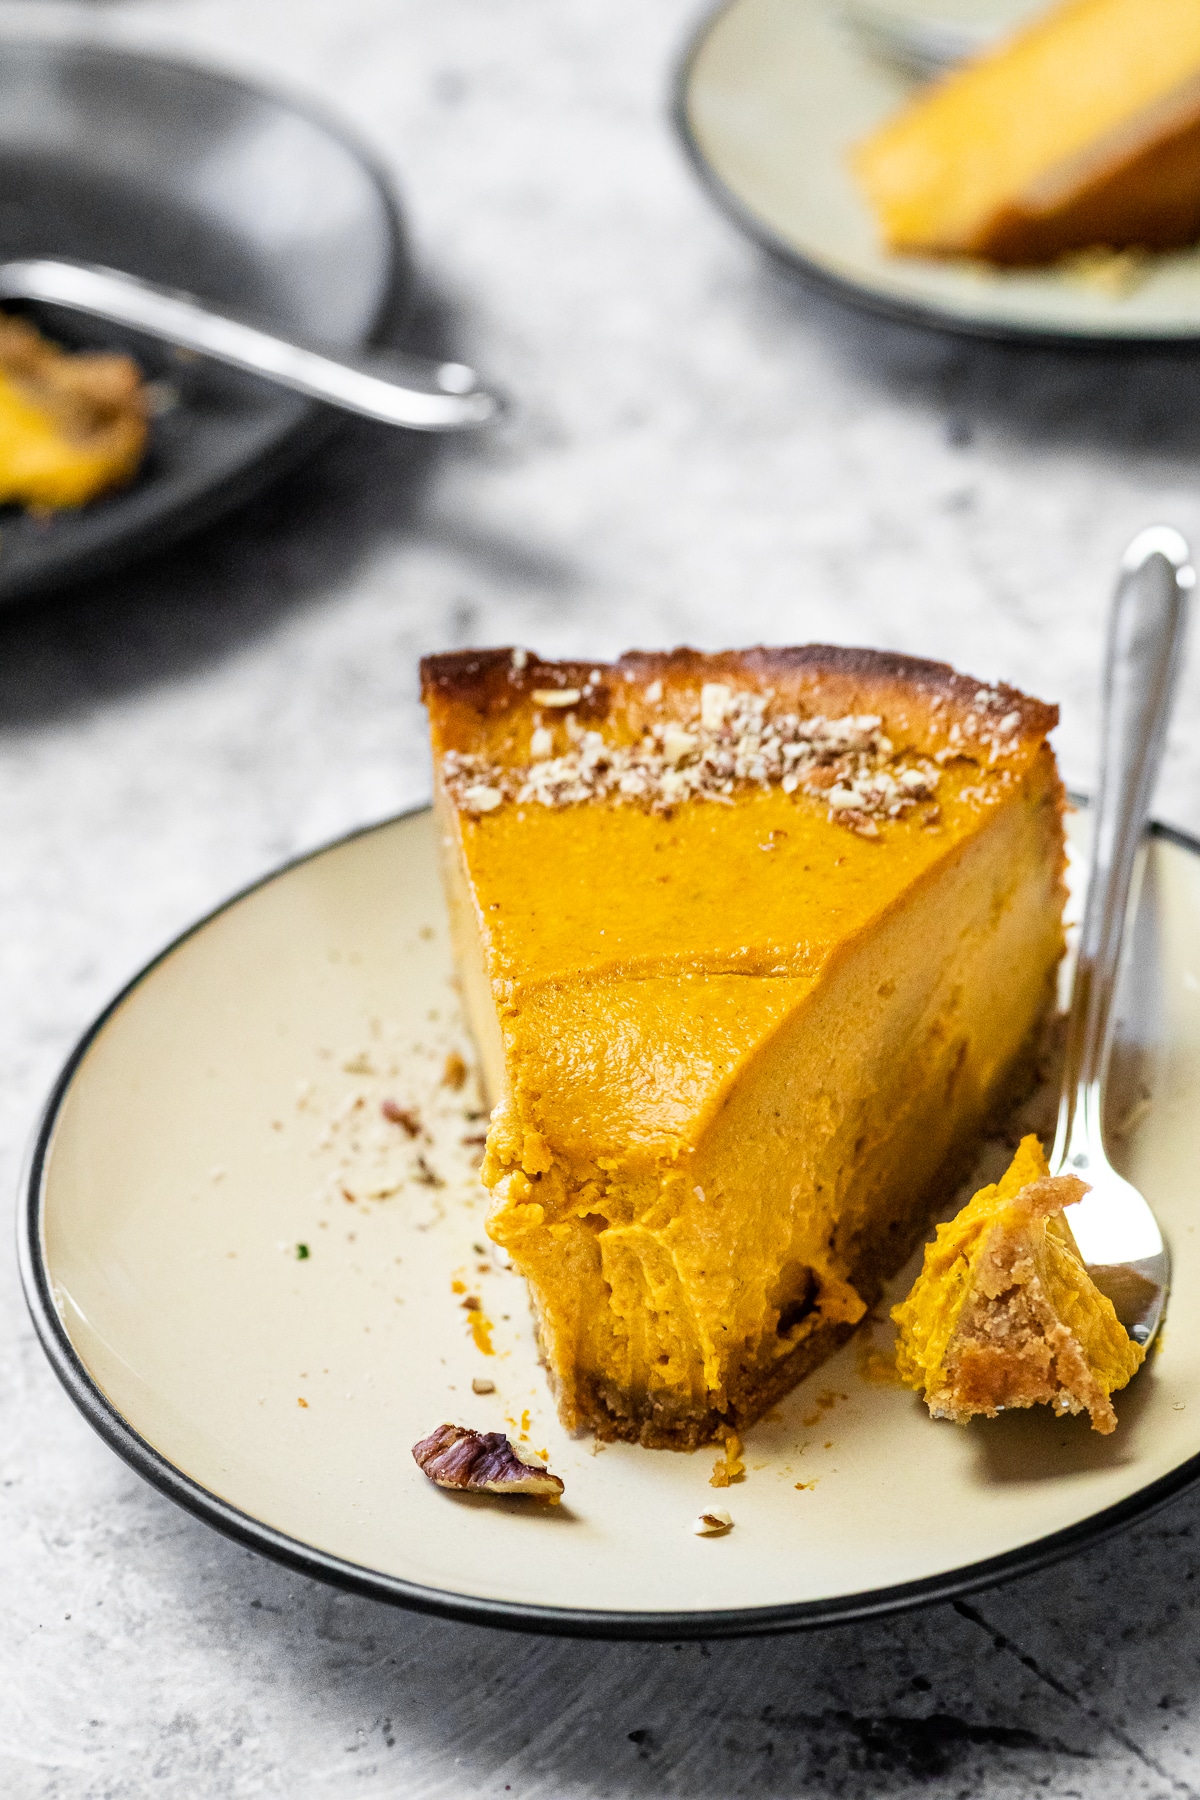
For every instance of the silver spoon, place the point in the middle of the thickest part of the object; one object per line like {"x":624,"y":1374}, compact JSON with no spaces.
{"x":1117,"y":1234}
{"x":399,"y":389}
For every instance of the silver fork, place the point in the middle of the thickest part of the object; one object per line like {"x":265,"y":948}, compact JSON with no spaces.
{"x":1117,"y":1234}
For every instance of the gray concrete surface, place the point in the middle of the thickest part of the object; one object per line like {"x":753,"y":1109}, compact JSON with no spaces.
{"x":706,"y":450}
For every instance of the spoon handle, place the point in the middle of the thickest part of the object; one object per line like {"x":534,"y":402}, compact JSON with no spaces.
{"x":425,"y":396}
{"x":921,"y":48}
{"x":1145,"y":641}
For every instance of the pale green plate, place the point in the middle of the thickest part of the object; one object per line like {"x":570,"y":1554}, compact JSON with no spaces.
{"x":771,"y":96}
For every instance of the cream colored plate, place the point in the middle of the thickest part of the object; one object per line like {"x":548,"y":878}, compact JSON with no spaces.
{"x":218,"y":1116}
{"x":772,"y":95}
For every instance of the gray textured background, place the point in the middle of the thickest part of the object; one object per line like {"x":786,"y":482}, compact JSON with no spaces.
{"x":706,"y":450}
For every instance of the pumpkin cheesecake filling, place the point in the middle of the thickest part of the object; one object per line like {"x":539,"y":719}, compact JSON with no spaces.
{"x":72,"y":426}
{"x":753,"y":947}
{"x":1004,"y":1313}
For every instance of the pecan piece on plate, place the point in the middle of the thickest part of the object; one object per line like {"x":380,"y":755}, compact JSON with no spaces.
{"x":716,"y":1523}
{"x":481,"y":1462}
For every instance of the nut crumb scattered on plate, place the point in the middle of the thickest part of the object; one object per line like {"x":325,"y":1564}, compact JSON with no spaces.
{"x":713,"y":1524}
{"x":729,"y":1466}
{"x":481,"y":1462}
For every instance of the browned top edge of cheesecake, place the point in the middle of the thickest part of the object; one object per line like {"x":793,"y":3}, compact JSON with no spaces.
{"x":472,"y":693}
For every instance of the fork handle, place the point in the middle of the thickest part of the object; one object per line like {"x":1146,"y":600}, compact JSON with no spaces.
{"x":1144,"y":652}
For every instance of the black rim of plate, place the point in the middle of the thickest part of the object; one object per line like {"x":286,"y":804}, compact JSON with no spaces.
{"x":315,"y":423}
{"x":844,"y":287}
{"x":478,"y":1610}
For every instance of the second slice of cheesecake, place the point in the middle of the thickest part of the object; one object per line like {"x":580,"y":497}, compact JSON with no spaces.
{"x":1081,"y":130}
{"x":753,"y":946}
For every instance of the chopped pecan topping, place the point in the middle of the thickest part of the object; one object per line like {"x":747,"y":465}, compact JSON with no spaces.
{"x":730,"y":742}
{"x":481,"y":1462}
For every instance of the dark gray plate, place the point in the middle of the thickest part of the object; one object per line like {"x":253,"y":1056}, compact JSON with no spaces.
{"x":190,"y":177}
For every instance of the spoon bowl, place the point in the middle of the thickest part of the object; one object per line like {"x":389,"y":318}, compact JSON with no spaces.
{"x":1120,"y":1241}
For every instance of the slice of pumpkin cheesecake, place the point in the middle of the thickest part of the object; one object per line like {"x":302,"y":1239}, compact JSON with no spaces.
{"x":1082,"y":129}
{"x":753,"y":946}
